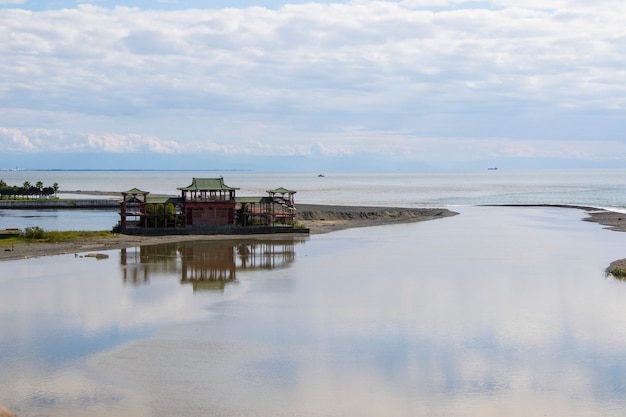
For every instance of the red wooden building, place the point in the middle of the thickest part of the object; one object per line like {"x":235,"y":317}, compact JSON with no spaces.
{"x":206,"y":203}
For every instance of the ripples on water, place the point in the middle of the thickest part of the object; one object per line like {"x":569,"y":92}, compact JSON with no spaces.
{"x":583,"y":187}
{"x":595,"y":188}
{"x":493,"y":312}
{"x":497,"y":311}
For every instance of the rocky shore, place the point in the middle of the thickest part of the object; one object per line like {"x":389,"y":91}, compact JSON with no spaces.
{"x":317,"y":218}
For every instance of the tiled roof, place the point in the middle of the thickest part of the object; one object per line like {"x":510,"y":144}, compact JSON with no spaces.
{"x":135,"y":191}
{"x":281,"y":190}
{"x":207,"y":184}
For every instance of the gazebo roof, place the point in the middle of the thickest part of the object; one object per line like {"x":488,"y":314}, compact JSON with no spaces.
{"x":281,"y":190}
{"x":135,"y":191}
{"x":207,"y":184}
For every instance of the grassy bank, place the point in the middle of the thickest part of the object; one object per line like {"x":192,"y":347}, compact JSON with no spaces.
{"x":38,"y":235}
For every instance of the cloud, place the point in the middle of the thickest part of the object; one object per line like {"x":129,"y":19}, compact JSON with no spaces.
{"x":15,"y":139}
{"x":356,"y":143}
{"x":297,"y":78}
{"x":129,"y":143}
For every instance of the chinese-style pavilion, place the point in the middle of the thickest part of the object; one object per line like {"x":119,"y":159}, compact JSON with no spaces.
{"x":206,"y":203}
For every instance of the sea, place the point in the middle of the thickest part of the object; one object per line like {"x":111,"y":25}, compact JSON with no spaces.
{"x":502,"y":310}
{"x":591,"y":188}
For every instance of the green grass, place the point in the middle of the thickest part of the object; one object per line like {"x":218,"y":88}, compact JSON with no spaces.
{"x":38,"y":235}
{"x":298,"y":225}
{"x":619,"y":273}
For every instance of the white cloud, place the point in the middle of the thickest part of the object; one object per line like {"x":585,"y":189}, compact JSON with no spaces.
{"x":351,"y":143}
{"x":129,"y":143}
{"x":223,"y":78}
{"x":15,"y":139}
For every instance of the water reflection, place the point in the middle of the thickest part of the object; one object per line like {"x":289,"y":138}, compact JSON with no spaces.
{"x":58,"y":311}
{"x":495,"y":312}
{"x":206,"y":265}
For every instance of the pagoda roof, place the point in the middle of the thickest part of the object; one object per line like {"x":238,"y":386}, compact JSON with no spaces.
{"x":207,"y":184}
{"x":281,"y":190}
{"x":135,"y":191}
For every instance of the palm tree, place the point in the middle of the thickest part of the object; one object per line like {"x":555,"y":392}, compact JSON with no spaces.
{"x":39,"y":186}
{"x":55,"y":187}
{"x":26,"y":186}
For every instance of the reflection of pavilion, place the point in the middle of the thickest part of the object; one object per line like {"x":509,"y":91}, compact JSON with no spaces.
{"x":206,"y":265}
{"x":142,"y":262}
{"x":263,"y":254}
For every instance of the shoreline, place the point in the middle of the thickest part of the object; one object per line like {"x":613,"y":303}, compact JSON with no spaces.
{"x":317,"y":218}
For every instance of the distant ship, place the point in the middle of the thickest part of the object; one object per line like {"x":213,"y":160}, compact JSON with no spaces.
{"x":492,"y":168}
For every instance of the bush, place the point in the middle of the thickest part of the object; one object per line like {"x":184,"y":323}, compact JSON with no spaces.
{"x":618,"y":273}
{"x":33,"y":233}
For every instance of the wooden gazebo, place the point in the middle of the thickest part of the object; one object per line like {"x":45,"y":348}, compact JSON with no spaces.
{"x":131,"y":206}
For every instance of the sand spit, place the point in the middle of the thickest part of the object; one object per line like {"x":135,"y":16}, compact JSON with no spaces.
{"x":610,"y":219}
{"x":326,"y":218}
{"x":317,"y":218}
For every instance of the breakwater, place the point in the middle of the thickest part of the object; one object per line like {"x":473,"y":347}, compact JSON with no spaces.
{"x":60,"y":204}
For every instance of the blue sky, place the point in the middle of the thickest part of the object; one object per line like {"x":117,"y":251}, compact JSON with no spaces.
{"x":412,"y":84}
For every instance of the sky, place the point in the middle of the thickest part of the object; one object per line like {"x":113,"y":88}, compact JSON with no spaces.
{"x":312,"y":85}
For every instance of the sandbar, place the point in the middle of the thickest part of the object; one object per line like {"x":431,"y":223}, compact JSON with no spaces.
{"x":317,"y":218}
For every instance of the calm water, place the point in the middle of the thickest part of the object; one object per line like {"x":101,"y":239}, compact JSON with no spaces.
{"x":598,"y":188}
{"x":498,"y":311}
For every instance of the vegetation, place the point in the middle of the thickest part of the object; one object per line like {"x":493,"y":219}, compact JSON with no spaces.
{"x":26,"y":190}
{"x":298,"y":225}
{"x":163,"y":215}
{"x":617,"y":272}
{"x":38,"y":235}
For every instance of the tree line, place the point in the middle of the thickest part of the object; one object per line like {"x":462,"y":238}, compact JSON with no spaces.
{"x":27,"y":190}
